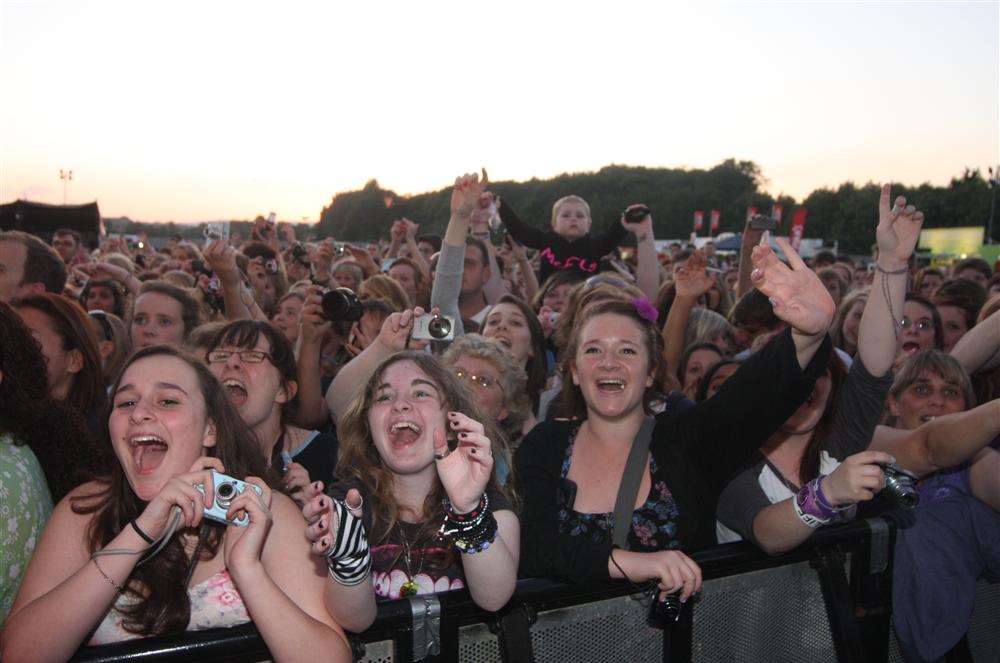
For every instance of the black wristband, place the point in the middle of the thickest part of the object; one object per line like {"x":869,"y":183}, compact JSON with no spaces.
{"x":145,"y":537}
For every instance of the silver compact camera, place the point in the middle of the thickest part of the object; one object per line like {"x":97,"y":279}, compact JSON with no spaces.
{"x":226,"y":490}
{"x":434,"y":328}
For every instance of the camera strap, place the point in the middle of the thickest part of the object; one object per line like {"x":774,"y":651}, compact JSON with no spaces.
{"x":631,"y":478}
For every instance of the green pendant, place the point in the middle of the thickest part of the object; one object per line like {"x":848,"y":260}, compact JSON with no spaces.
{"x":409,"y":588}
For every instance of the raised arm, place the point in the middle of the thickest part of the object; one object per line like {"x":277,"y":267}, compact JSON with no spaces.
{"x":222,"y":259}
{"x":647,"y":273}
{"x":354,"y":375}
{"x":897,"y":234}
{"x":313,"y":411}
{"x":942,"y":442}
{"x":535,"y":238}
{"x":797,"y":296}
{"x":751,"y":238}
{"x":691,"y":281}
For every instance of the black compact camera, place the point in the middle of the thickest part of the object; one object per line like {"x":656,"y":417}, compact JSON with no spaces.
{"x":762,"y":222}
{"x":636,"y":214}
{"x":900,"y":486}
{"x":664,"y":612}
{"x":342,"y":305}
{"x":300,"y":253}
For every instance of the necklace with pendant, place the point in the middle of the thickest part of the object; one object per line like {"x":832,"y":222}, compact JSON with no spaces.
{"x":410,"y":587}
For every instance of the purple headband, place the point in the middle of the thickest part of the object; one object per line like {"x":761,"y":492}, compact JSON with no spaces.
{"x":645,"y":309}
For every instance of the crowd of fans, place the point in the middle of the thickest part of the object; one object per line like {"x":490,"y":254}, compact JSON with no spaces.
{"x":508,"y":400}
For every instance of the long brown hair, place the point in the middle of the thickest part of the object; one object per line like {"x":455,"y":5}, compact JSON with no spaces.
{"x":74,"y":327}
{"x":159,"y":586}
{"x":809,"y":465}
{"x":360,"y":461}
{"x":536,"y":368}
{"x":573,"y":405}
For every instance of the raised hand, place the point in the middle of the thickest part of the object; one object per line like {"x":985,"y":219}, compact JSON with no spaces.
{"x":313,"y":325}
{"x":898,"y":229}
{"x":180,"y":491}
{"x":222,"y":259}
{"x":104,"y":271}
{"x":465,"y":195}
{"x":857,"y":479}
{"x":797,"y":295}
{"x":397,"y":328}
{"x":363,"y":258}
{"x":243,"y":545}
{"x":411,"y":229}
{"x":465,"y":471}
{"x":692,"y":280}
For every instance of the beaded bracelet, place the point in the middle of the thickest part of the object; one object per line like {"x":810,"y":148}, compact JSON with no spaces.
{"x":473,"y":532}
{"x":808,"y":507}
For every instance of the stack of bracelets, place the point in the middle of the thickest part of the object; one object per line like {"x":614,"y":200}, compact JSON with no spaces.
{"x":812,"y":507}
{"x":472,"y":532}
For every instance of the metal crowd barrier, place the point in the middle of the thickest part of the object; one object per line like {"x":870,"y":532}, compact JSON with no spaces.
{"x":828,"y":600}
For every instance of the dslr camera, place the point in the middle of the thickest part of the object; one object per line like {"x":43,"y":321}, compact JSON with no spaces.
{"x":900,"y":486}
{"x":342,"y":305}
{"x":434,"y":328}
{"x":226,"y":490}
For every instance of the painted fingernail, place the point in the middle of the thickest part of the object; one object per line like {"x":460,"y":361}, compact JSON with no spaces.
{"x":325,"y":542}
{"x":321,"y":525}
{"x":316,"y":485}
{"x":322,"y":503}
{"x":463,"y":435}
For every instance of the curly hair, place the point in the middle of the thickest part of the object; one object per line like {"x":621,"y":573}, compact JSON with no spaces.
{"x":55,"y":432}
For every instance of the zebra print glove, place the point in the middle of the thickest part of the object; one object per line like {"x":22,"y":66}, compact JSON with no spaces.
{"x":349,"y":558}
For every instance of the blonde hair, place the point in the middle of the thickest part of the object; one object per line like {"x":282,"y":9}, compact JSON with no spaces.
{"x":704,"y":325}
{"x":846,"y":304}
{"x":569,"y":199}
{"x":382,"y":286}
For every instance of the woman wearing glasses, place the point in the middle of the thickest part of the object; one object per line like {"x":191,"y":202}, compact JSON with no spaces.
{"x":496,"y":384}
{"x":255,"y":364}
{"x":919,"y":329}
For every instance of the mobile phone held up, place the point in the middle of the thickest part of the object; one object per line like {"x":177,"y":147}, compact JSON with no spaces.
{"x":762,"y":222}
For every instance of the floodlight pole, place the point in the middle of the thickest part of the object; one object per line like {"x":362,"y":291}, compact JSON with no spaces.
{"x":66,"y":176}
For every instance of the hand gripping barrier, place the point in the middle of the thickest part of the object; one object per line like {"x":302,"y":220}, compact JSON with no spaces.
{"x":828,"y":600}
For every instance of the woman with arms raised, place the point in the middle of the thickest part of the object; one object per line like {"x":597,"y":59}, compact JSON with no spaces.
{"x":170,"y":425}
{"x":607,"y":370}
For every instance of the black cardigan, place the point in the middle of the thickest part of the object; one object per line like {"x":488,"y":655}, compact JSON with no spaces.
{"x":700,"y":449}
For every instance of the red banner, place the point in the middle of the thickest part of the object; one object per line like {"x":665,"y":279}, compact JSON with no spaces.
{"x":716,"y":214}
{"x":798,"y":228}
{"x":776,"y":213}
{"x":699,"y":219}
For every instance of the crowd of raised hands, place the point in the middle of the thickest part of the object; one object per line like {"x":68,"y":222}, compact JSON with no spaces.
{"x":456,"y":411}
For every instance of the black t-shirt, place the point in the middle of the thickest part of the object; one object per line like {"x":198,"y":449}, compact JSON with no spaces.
{"x":434,"y":565}
{"x":317,"y":453}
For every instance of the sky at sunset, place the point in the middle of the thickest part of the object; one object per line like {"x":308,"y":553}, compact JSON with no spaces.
{"x":191,"y":111}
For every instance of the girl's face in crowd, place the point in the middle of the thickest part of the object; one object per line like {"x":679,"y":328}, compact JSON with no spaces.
{"x":698,"y":364}
{"x":852,"y":321}
{"x":100,"y":298}
{"x":805,"y":419}
{"x":928,"y":397}
{"x":611,"y":365}
{"x":286,"y":318}
{"x":917,"y":331}
{"x":253,"y":388}
{"x":720,"y":378}
{"x":557,"y":297}
{"x":159,"y":425}
{"x":507,"y":325}
{"x":572,"y":220}
{"x":407,"y":409}
{"x":345,"y":279}
{"x":157,"y":318}
{"x":953,"y":324}
{"x":407,"y":278}
{"x":482,"y":378}
{"x":61,"y":365}
{"x":929,"y":285}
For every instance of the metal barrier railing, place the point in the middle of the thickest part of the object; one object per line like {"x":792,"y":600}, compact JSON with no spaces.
{"x":829,"y":599}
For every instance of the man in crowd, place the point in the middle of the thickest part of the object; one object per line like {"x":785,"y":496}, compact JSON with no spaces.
{"x":28,"y":266}
{"x":67,"y":243}
{"x":472,"y":301}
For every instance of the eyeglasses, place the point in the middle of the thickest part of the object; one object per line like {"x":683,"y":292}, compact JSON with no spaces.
{"x":921,"y":325}
{"x":247,"y":356}
{"x":482,"y":381}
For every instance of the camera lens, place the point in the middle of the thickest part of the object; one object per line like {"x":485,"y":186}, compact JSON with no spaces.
{"x":663,"y":613}
{"x":342,"y":305}
{"x":224,"y":493}
{"x":439,"y":328}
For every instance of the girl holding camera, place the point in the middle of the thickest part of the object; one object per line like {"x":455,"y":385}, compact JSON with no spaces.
{"x":97,"y":575}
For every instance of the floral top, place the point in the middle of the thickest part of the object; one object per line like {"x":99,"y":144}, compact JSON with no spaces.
{"x":25,"y":505}
{"x":215,"y":603}
{"x":654,"y":524}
